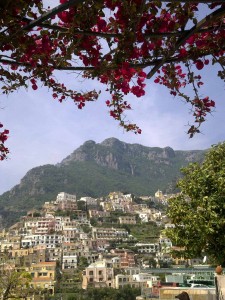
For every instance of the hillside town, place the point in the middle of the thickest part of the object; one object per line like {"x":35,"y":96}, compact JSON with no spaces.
{"x":115,"y":241}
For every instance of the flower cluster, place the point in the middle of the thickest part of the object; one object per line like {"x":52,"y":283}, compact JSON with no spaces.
{"x":119,"y":43}
{"x":3,"y":137}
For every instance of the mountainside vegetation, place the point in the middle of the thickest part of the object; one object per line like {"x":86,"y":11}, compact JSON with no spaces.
{"x":97,"y":169}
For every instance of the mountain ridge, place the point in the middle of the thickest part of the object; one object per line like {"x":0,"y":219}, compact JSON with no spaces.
{"x":95,"y":169}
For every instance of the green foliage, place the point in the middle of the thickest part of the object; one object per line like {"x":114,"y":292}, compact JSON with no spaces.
{"x":94,"y":222}
{"x":198,"y":212}
{"x":13,"y":283}
{"x":71,"y":280}
{"x":112,"y":294}
{"x":82,"y":262}
{"x":81,"y":205}
{"x":58,"y":275}
{"x":145,"y":232}
{"x":86,"y":228}
{"x":72,"y":297}
{"x":152,"y":262}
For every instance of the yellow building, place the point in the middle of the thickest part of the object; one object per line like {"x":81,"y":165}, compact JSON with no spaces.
{"x":159,"y":195}
{"x":21,"y":252}
{"x":43,"y":275}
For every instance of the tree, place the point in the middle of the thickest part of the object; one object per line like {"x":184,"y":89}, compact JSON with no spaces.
{"x":82,"y":205}
{"x":118,"y":43}
{"x":14,"y":284}
{"x":198,"y":212}
{"x":82,"y":262}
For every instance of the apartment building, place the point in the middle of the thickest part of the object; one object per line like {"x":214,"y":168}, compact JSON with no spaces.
{"x":50,"y":240}
{"x":127,"y":257}
{"x":109,"y":233}
{"x":99,"y":273}
{"x":61,"y":197}
{"x":43,"y":275}
{"x":127,"y":220}
{"x":147,"y":248}
{"x":93,"y":213}
{"x":69,"y":260}
{"x":122,"y":280}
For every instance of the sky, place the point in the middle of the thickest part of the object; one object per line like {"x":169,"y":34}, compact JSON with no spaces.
{"x":43,"y":131}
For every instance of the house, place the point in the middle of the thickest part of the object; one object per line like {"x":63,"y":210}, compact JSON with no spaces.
{"x":99,"y":273}
{"x":109,"y":233}
{"x":50,"y":207}
{"x":159,"y":195}
{"x":144,"y":217}
{"x":27,"y":256}
{"x":127,"y":257}
{"x":147,"y":247}
{"x":61,"y":197}
{"x":100,"y":244}
{"x":50,"y":240}
{"x":66,"y":201}
{"x":98,"y":213}
{"x":43,"y":275}
{"x":69,"y":260}
{"x":127,"y":219}
{"x":115,"y":195}
{"x":90,"y":202}
{"x":122,"y":280}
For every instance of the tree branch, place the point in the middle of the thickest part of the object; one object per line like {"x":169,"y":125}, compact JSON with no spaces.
{"x":51,"y":13}
{"x":175,"y":59}
{"x":70,"y":3}
{"x":208,"y":19}
{"x":113,"y":35}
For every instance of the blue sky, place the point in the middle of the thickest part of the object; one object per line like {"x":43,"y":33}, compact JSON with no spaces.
{"x":43,"y":131}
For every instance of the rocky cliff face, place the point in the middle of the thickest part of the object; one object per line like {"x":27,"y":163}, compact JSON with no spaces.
{"x":97,"y":169}
{"x":114,"y":154}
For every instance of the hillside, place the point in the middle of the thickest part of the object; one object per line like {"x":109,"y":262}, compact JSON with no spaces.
{"x":95,"y":170}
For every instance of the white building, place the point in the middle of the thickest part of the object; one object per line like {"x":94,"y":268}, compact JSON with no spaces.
{"x":144,"y":217}
{"x":65,"y":197}
{"x":89,"y":200}
{"x":147,"y":247}
{"x":69,"y":260}
{"x":50,"y":240}
{"x":145,"y":277}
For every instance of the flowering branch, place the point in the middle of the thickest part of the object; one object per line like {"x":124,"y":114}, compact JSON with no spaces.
{"x":115,"y":42}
